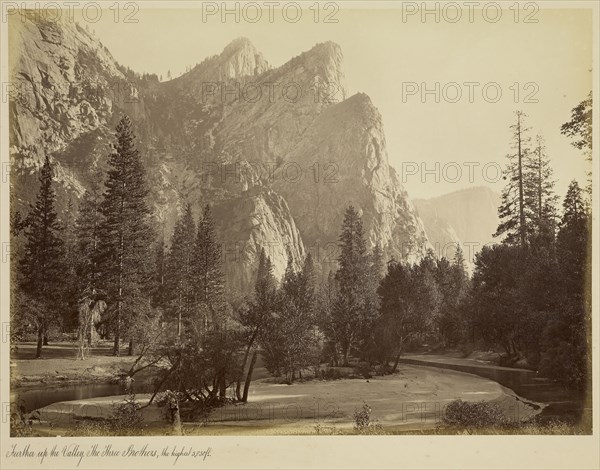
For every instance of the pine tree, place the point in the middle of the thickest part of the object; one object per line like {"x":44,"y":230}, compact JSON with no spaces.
{"x":71,"y":262}
{"x":41,"y":268}
{"x":87,"y":232}
{"x":208,"y":263}
{"x":180,"y":277}
{"x":572,"y":242}
{"x":367,"y":341}
{"x":566,"y":340}
{"x":378,"y":263}
{"x":159,"y":290}
{"x":427,"y":292}
{"x":452,"y":280}
{"x":125,"y":234}
{"x":351,"y":307}
{"x":459,"y":261}
{"x":307,"y":280}
{"x":265,"y":283}
{"x":255,"y":317}
{"x":541,"y":198}
{"x":288,"y":338}
{"x":513,"y":212}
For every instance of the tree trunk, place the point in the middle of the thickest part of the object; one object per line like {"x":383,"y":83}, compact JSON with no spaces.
{"x":117,"y":346}
{"x":346,"y":356}
{"x":540,"y":210}
{"x":396,"y":361}
{"x":238,"y":387}
{"x":177,"y":429}
{"x":522,"y":229}
{"x":40,"y":342}
{"x":222,"y":386}
{"x":179,"y":315}
{"x":130,"y":350}
{"x":249,"y":377}
{"x":398,"y":355}
{"x":116,"y":349}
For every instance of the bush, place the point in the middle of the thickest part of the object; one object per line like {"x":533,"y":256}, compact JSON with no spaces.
{"x":127,"y":418}
{"x":507,"y":361}
{"x":383,"y":369}
{"x":19,"y":424}
{"x":90,"y":427}
{"x":364,"y":424}
{"x":330,"y":374}
{"x":474,"y":415}
{"x":364,"y":370}
{"x":321,"y":429}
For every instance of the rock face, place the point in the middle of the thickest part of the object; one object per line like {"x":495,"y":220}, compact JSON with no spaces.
{"x":278,"y":152}
{"x":468,"y":217}
{"x":340,"y":161}
{"x":256,"y":219}
{"x":62,"y":81}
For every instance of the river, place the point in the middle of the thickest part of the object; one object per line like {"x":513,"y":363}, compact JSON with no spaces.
{"x":561,"y":403}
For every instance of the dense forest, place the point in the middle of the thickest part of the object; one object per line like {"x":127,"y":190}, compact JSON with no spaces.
{"x":102,"y":268}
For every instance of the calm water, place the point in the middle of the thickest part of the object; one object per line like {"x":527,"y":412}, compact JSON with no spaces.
{"x":562,"y":403}
{"x":35,"y":398}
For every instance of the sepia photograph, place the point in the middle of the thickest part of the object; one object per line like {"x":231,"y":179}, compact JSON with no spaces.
{"x":351,"y":224}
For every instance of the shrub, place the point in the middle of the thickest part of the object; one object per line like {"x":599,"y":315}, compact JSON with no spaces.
{"x":330,"y":374}
{"x":90,"y":427}
{"x":474,"y":415}
{"x":364,"y":424}
{"x":383,"y":369}
{"x":364,"y":370}
{"x":19,"y":425}
{"x":506,"y":360}
{"x":321,"y":429}
{"x":127,"y":418}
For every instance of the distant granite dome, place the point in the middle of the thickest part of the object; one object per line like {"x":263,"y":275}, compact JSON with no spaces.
{"x":468,"y":216}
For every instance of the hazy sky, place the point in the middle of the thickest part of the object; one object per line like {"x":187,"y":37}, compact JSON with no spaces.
{"x":550,"y":60}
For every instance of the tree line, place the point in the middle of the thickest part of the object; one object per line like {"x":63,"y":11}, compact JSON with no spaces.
{"x":529,"y":295}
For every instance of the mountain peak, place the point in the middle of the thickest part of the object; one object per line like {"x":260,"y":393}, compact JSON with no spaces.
{"x":239,"y":44}
{"x":320,"y":66}
{"x":357,"y":110}
{"x":325,"y":55}
{"x":327,"y":48}
{"x":240,"y":59}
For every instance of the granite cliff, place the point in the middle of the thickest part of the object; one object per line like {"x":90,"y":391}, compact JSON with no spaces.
{"x":278,"y":152}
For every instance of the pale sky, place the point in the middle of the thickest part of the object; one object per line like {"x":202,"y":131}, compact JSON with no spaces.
{"x":383,"y":53}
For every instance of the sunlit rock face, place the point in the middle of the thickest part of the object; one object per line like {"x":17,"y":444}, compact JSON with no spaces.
{"x":279,"y":153}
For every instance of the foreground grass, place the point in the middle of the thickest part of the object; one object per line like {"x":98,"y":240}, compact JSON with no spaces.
{"x":554,"y":428}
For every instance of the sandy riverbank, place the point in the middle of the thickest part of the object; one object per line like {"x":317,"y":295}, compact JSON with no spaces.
{"x":414,"y":398}
{"x":59,"y":365}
